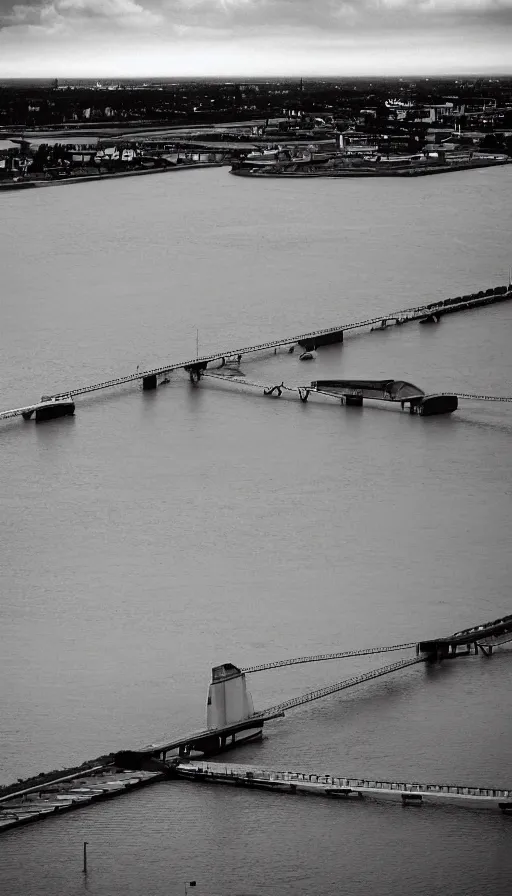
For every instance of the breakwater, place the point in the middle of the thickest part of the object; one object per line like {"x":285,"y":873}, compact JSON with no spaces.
{"x":86,"y":178}
{"x":377,"y":170}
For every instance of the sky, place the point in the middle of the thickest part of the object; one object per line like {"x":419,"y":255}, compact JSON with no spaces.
{"x":243,"y":38}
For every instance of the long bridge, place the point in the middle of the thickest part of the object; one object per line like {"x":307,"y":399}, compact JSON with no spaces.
{"x":62,"y":403}
{"x":232,"y":722}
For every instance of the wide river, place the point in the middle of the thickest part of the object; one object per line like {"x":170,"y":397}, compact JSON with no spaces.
{"x":156,"y":535}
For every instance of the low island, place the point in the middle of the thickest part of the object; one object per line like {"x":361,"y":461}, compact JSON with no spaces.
{"x":283,"y":162}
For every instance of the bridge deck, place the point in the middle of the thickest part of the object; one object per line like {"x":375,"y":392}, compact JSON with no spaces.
{"x":18,"y":412}
{"x":495,"y":640}
{"x":168,"y":746}
{"x":476,"y":634}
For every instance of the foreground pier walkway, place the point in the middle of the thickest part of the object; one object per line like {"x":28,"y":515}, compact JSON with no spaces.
{"x":335,"y":786}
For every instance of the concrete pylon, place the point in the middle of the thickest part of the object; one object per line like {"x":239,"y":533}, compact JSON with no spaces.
{"x":229,"y":701}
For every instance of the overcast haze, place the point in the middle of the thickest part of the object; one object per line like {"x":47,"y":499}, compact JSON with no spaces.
{"x":59,"y":38}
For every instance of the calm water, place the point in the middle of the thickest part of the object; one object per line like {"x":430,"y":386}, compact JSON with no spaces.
{"x":153,"y":536}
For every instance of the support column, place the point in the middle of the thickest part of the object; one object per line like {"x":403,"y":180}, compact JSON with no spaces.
{"x":195,"y":371}
{"x":149,"y":382}
{"x":354,"y":401}
{"x":229,"y":701}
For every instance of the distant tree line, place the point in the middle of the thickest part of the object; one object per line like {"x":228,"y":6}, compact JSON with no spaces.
{"x":36,"y":105}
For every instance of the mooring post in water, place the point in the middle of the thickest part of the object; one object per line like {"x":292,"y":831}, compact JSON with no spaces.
{"x":84,"y":869}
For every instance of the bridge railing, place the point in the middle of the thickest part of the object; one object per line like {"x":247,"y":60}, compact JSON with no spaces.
{"x":343,"y":685}
{"x":320,"y":657}
{"x":248,"y":772}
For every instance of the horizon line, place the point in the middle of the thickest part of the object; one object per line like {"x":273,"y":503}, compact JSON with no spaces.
{"x":266,"y":77}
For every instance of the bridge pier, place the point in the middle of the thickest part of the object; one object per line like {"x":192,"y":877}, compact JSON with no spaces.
{"x":432,"y":405}
{"x":149,"y":382}
{"x":229,"y":701}
{"x":309,"y":345}
{"x":463,"y":643}
{"x":195,"y":371}
{"x":354,"y":401}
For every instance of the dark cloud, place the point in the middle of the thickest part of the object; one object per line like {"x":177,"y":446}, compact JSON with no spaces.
{"x":235,"y":37}
{"x":52,"y":14}
{"x":331,"y":15}
{"x":337,"y":16}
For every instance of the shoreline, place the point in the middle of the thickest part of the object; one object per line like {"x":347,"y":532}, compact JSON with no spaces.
{"x":87,"y":178}
{"x":372,"y":172}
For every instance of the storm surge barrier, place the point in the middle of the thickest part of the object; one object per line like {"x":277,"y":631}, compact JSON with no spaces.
{"x":195,"y":367}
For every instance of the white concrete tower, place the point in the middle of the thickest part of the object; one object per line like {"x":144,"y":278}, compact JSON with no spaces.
{"x":229,"y":701}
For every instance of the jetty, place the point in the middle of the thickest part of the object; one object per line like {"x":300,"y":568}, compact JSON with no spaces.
{"x":232,"y":722}
{"x":196,"y":367}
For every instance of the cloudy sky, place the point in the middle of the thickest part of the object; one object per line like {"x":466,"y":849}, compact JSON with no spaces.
{"x":229,"y":38}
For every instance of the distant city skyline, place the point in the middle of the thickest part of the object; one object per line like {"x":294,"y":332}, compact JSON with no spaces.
{"x":244,"y":38}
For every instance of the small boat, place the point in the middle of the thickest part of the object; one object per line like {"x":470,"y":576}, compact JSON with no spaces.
{"x":308,"y":356}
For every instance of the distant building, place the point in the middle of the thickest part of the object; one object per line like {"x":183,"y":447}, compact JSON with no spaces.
{"x":82,"y":158}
